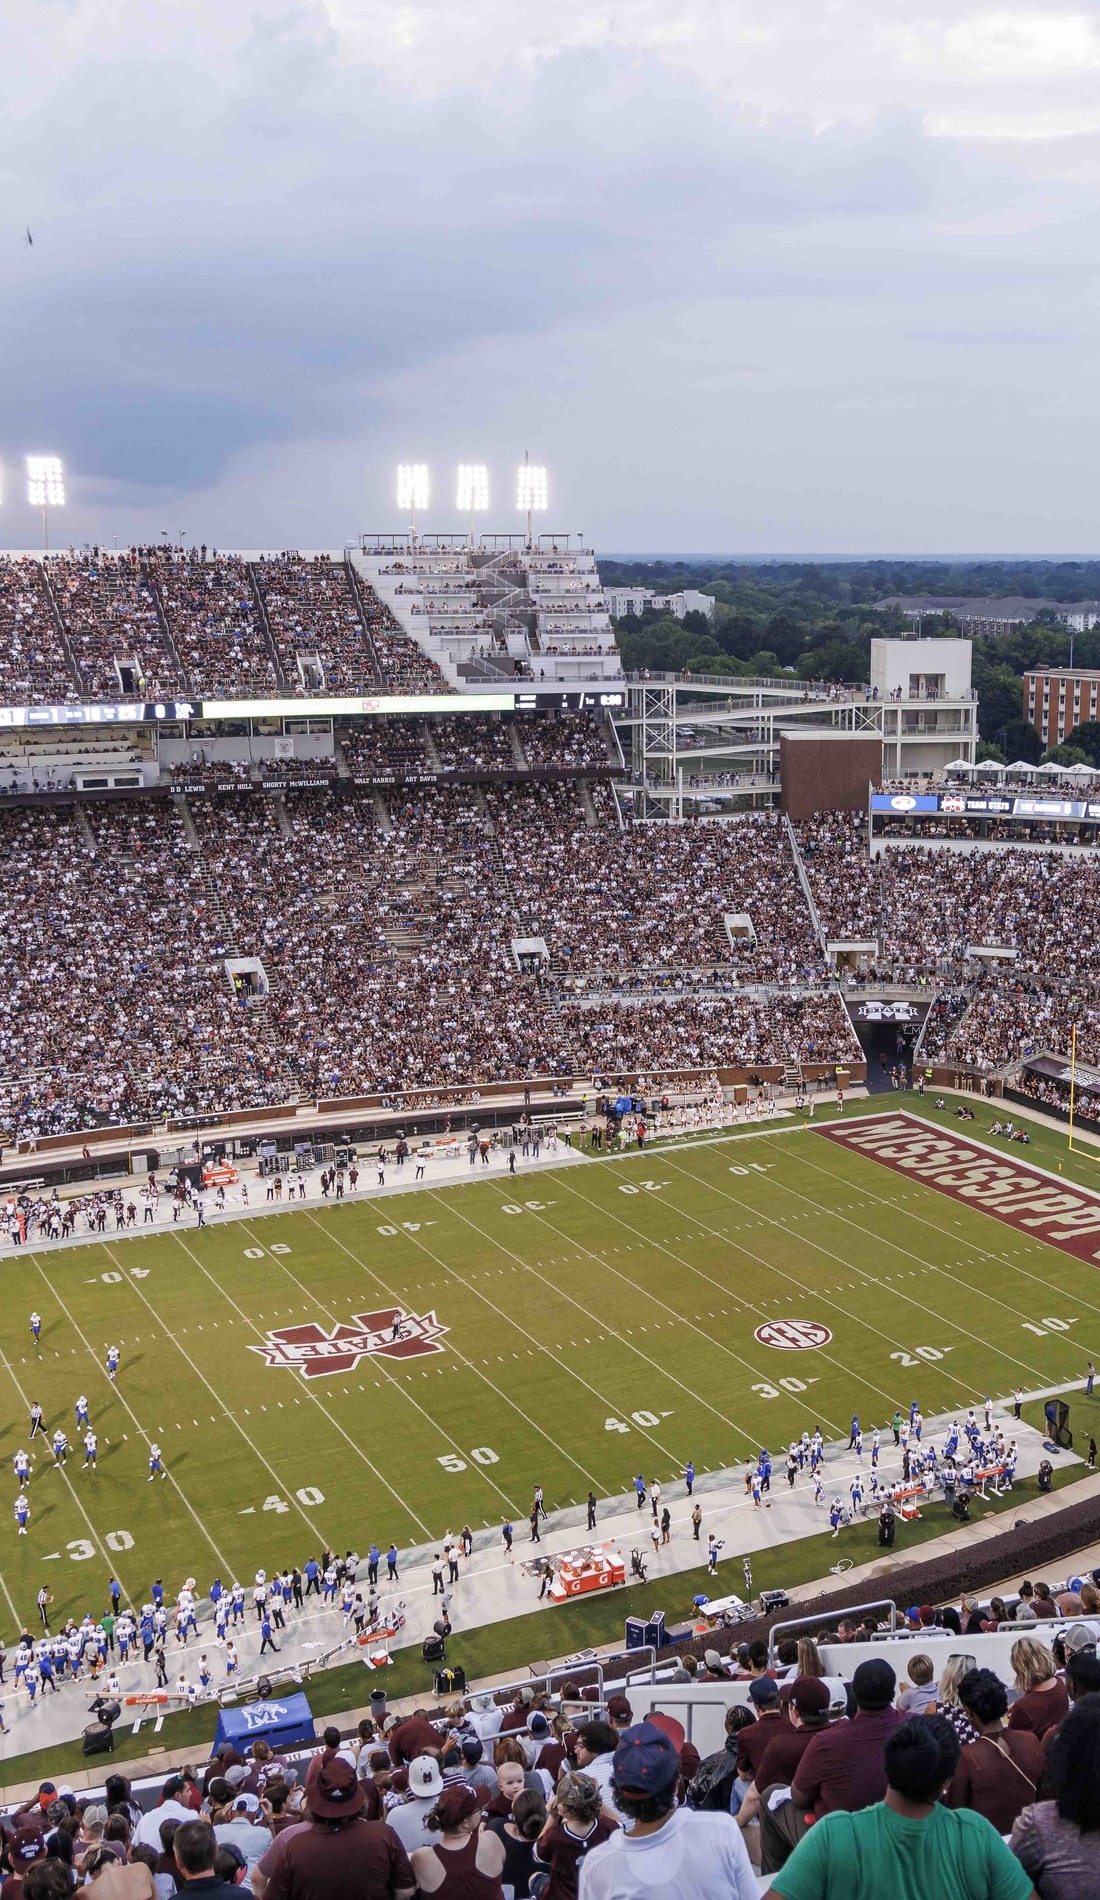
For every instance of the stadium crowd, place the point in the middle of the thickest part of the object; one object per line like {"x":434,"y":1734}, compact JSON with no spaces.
{"x":216,"y":625}
{"x":33,"y":663}
{"x":882,"y":1781}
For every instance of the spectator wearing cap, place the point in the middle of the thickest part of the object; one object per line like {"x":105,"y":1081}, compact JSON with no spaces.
{"x":548,"y":1754}
{"x":170,"y":1807}
{"x":245,"y":1827}
{"x":340,"y":1852}
{"x":714,"y":1670}
{"x":25,"y":1848}
{"x":484,"y":1717}
{"x":409,"y":1821}
{"x":619,"y":1713}
{"x":668,"y":1850}
{"x":998,"y":1775}
{"x":463,"y":1861}
{"x":478,"y":1773}
{"x":908,"y":1846}
{"x":809,"y":1716}
{"x":842,"y":1768}
{"x":770,"y":1720}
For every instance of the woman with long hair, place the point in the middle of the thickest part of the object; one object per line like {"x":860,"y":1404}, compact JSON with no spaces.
{"x":466,"y":1862}
{"x":1058,"y":1842}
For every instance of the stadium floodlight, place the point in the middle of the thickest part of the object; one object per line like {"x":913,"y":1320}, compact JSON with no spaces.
{"x":472,"y":496}
{"x":412,"y":490}
{"x":531,"y":492}
{"x":45,"y":487}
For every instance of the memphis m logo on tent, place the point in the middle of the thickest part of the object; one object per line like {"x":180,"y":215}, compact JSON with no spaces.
{"x":315,"y":1353}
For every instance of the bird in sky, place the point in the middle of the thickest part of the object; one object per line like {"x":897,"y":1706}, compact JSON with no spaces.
{"x":29,"y":241}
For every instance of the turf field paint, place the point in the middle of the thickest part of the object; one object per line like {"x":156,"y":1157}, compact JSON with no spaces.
{"x":316,"y":1354}
{"x":793,"y":1335}
{"x":1023,"y":1197}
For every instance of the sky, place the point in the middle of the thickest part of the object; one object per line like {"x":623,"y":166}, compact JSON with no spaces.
{"x":745,"y":275}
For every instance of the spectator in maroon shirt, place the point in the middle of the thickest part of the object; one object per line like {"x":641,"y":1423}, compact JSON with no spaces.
{"x":1043,"y":1701}
{"x":809,"y":1716}
{"x":842,"y":1769}
{"x":770,"y":1720}
{"x":415,"y":1736}
{"x":338,"y":1852}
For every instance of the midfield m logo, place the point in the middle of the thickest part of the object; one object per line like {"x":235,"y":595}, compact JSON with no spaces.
{"x":316,"y":1353}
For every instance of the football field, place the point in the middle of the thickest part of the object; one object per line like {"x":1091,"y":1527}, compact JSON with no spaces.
{"x":566,"y":1329}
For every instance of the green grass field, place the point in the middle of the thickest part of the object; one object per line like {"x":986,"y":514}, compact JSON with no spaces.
{"x":603,"y":1326}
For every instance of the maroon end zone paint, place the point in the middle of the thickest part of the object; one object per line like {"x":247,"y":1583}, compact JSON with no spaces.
{"x":1021,"y":1196}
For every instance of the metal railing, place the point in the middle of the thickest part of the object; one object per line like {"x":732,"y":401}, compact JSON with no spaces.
{"x":848,"y":1613}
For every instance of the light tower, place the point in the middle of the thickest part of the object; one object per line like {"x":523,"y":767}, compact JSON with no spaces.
{"x":412,"y":491}
{"x":472,"y":495}
{"x":530,"y":492}
{"x":45,"y":487}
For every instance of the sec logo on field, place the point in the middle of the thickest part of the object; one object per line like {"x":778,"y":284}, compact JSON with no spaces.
{"x":793,"y":1335}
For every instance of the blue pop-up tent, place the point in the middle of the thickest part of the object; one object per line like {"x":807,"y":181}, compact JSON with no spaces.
{"x":281,"y":1720}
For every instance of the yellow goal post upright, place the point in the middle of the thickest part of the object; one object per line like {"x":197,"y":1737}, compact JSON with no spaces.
{"x":1072,"y":1079}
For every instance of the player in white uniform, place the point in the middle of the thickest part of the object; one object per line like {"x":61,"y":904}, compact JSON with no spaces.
{"x":156,"y":1469}
{"x":113,"y":1357}
{"x":60,"y":1447}
{"x":22,"y":1468}
{"x":36,"y":1328}
{"x":91,"y":1450}
{"x":22,"y":1512}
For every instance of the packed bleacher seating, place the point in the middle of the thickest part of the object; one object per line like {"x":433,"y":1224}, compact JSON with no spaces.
{"x":313,"y":613}
{"x":464,"y":746}
{"x":109,"y":611}
{"x":694,"y":1032}
{"x":656,"y":895}
{"x":114,"y":999}
{"x":33,"y":663}
{"x":569,"y":738}
{"x":215,"y":623}
{"x":382,"y":747}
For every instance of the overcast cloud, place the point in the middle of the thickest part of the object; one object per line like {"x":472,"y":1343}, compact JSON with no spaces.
{"x":746,"y":274}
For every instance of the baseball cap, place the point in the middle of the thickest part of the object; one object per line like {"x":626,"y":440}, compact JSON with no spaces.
{"x":763,"y":1690}
{"x":712,"y":1659}
{"x":538,"y":1725}
{"x":473,"y":1749}
{"x":247,"y":1804}
{"x":669,"y":1726}
{"x":237,"y":1775}
{"x":424,"y":1776}
{"x":618,"y":1709}
{"x":646,"y":1760}
{"x":27,"y":1846}
{"x":1077,"y":1637}
{"x":810,"y":1696}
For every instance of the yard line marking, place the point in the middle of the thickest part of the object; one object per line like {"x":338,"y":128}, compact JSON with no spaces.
{"x":681,"y":1318}
{"x":868,"y":1278}
{"x":118,"y":1393}
{"x":226,"y":1413}
{"x":10,"y":1370}
{"x":613,"y":1333}
{"x":527,"y":1419}
{"x":451,"y":1443}
{"x":332,"y":1422}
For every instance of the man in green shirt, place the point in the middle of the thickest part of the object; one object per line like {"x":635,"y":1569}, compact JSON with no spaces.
{"x":907,"y":1847}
